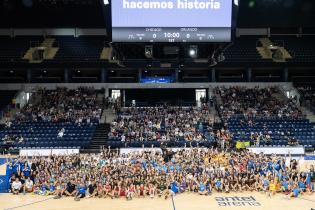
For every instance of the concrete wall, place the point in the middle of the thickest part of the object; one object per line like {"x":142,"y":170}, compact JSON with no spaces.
{"x":32,"y":86}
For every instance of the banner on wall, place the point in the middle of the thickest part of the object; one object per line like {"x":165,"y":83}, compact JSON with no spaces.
{"x":278,"y":150}
{"x":134,"y":150}
{"x":48,"y":152}
{"x":242,"y":144}
{"x":155,"y":149}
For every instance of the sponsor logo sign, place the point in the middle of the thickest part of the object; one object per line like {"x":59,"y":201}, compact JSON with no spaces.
{"x":237,"y":201}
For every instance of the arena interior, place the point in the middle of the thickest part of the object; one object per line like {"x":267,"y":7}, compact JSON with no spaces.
{"x":157,"y":104}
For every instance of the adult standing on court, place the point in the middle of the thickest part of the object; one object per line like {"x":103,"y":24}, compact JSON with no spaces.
{"x":312,"y":178}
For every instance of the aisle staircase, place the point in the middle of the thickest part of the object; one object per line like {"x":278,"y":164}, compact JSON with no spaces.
{"x":99,"y":139}
{"x":49,"y":51}
{"x":110,"y":115}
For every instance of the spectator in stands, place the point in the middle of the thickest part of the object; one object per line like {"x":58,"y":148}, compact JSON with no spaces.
{"x":61,"y":132}
{"x":21,"y":139}
{"x":293,"y":141}
{"x":223,"y":138}
{"x":8,"y":123}
{"x":9,"y":139}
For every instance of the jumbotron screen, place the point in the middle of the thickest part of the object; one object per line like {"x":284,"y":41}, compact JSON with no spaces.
{"x":171,"y":20}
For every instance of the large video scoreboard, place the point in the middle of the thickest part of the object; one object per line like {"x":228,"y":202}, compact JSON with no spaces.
{"x":171,"y":20}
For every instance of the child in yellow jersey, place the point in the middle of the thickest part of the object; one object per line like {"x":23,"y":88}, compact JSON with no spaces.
{"x":277,"y":184}
{"x":272,"y":188}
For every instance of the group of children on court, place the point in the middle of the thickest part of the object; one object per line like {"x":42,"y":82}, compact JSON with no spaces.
{"x":148,"y":174}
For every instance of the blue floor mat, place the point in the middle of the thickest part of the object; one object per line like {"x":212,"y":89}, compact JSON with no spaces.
{"x":3,"y":184}
{"x":3,"y":179}
{"x":3,"y":161}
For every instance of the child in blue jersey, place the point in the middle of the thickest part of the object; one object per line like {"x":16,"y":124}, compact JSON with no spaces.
{"x":9,"y":170}
{"x":218,"y":185}
{"x":174,"y":187}
{"x":81,"y":190}
{"x":202,"y":188}
{"x":52,"y":189}
{"x":16,"y":167}
{"x":265,"y":184}
{"x":277,"y":166}
{"x":26,"y":170}
{"x":301,"y":185}
{"x":285,"y":186}
{"x":295,"y":191}
{"x":43,"y":189}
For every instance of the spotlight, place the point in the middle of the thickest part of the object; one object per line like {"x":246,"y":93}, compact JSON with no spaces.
{"x":193,"y":51}
{"x":148,"y":51}
{"x":251,"y":4}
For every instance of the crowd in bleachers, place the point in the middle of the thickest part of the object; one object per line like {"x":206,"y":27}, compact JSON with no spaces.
{"x":255,"y":102}
{"x":258,"y":116}
{"x":62,"y":105}
{"x":153,"y":174}
{"x":54,"y":118}
{"x":248,"y":114}
{"x":163,"y":124}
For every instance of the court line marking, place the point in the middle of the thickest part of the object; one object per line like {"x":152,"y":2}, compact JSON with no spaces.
{"x":28,"y":204}
{"x":173,"y":202}
{"x":306,"y":199}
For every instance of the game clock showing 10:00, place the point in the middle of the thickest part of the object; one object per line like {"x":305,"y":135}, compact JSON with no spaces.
{"x":171,"y":36}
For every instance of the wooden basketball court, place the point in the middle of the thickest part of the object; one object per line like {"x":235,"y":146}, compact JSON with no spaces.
{"x":188,"y":201}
